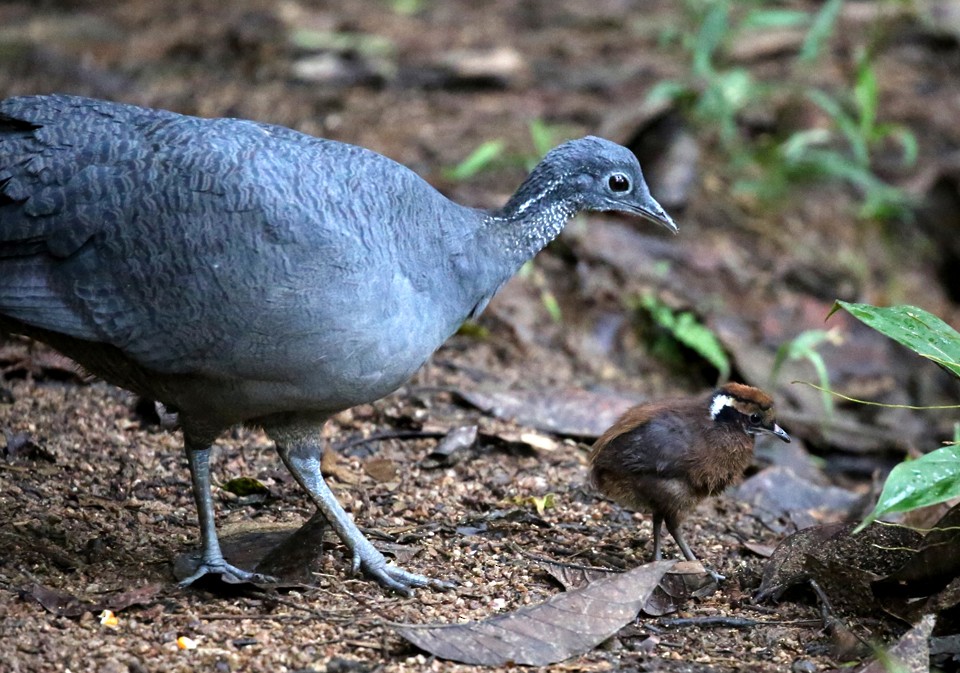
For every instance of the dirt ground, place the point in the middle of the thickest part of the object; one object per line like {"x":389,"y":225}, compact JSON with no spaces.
{"x":94,"y":494}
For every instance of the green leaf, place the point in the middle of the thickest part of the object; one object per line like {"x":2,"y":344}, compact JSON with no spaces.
{"x":737,"y":87}
{"x":550,"y":303}
{"x":804,"y":347}
{"x":667,"y":90}
{"x":407,"y":7}
{"x":543,"y":502}
{"x":326,"y":40}
{"x":843,"y":121}
{"x":819,"y":33}
{"x":712,"y":31}
{"x":794,"y":148}
{"x":473,"y":330}
{"x":479,"y":159}
{"x":901,"y":134}
{"x":686,"y":329}
{"x":243,"y":486}
{"x":920,"y":331}
{"x":928,"y":480}
{"x":543,"y":135}
{"x":865,"y":94}
{"x":775,"y":18}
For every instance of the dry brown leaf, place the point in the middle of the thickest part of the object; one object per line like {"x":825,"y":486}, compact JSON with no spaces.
{"x":563,"y":626}
{"x":835,"y":558}
{"x":911,"y":654}
{"x":382,"y":470}
{"x":332,"y":464}
{"x":686,"y":580}
{"x":937,"y":561}
{"x":778,"y":493}
{"x":452,"y":448}
{"x":573,"y":576}
{"x":571,"y":412}
{"x":67,"y":605}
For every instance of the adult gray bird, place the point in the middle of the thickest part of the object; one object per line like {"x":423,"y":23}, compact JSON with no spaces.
{"x":240,"y":272}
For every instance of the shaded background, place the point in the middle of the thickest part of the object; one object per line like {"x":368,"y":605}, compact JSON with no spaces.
{"x":426,"y":83}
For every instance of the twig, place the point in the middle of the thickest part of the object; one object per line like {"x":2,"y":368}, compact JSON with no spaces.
{"x":729,"y":622}
{"x":826,"y":609}
{"x":222,"y":617}
{"x":389,"y":434}
{"x":543,"y":559}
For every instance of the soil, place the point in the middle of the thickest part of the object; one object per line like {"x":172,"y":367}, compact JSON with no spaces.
{"x":94,"y":494}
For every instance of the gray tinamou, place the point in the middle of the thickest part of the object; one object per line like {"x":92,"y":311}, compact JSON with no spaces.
{"x":240,"y":272}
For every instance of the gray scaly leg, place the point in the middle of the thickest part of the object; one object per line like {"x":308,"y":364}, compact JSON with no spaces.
{"x":302,"y":458}
{"x":211,"y":560}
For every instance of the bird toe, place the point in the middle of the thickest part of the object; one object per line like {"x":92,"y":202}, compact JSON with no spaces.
{"x":228,"y":573}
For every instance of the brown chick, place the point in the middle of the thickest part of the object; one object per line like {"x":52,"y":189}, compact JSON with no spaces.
{"x":665,"y":457}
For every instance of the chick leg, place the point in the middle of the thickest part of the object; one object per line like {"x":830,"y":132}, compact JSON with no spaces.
{"x":211,"y":557}
{"x":657,"y":526}
{"x":303,"y":460}
{"x":674,"y":527}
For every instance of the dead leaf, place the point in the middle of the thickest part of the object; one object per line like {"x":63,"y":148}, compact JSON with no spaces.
{"x":830,"y":554}
{"x":910,"y":609}
{"x":332,"y":464}
{"x":295,"y":558}
{"x":30,"y":359}
{"x":565,"y":625}
{"x":21,"y":446}
{"x":570,"y":412}
{"x":935,"y":564}
{"x":686,"y":580}
{"x":573,"y":576}
{"x":500,"y":65}
{"x":67,"y":605}
{"x":911,"y":654}
{"x":289,"y":554}
{"x":778,"y":493}
{"x":764,"y":550}
{"x":57,"y":602}
{"x":538,"y":441}
{"x":452,"y":448}
{"x":944,"y":651}
{"x":382,"y":470}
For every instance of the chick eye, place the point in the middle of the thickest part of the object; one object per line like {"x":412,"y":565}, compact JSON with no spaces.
{"x":619,"y":182}
{"x":755,"y":418}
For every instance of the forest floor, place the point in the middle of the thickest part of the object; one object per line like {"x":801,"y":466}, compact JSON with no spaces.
{"x":95,"y":503}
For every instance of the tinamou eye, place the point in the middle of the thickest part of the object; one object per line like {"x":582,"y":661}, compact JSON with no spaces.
{"x":755,"y":418}
{"x":619,"y":182}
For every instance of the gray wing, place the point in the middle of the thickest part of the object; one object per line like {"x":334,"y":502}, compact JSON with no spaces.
{"x":117,"y":222}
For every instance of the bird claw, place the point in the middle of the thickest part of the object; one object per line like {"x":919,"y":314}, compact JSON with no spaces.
{"x":228,"y":573}
{"x":375,"y":566}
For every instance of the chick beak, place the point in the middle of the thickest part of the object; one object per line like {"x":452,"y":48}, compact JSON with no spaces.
{"x":777,"y":431}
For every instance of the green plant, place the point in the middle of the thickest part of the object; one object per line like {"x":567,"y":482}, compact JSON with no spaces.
{"x":407,"y":7}
{"x":855,"y":124}
{"x":934,"y":477}
{"x":686,"y":329}
{"x":715,"y":95}
{"x":486,"y":154}
{"x":804,"y":347}
{"x":492,"y":154}
{"x":532,"y":273}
